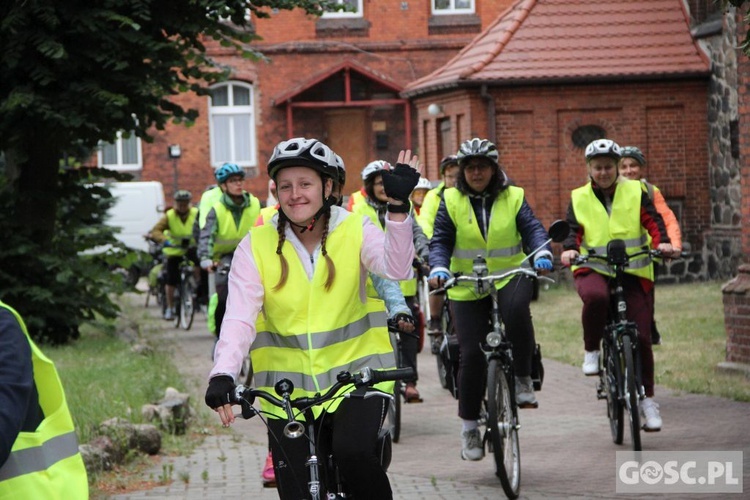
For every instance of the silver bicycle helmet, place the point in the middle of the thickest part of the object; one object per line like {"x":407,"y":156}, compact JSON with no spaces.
{"x":603,"y":147}
{"x":448,"y":161}
{"x":374,"y":167}
{"x":183,"y":195}
{"x":423,"y":183}
{"x":634,"y":153}
{"x":476,"y":147}
{"x":302,"y":152}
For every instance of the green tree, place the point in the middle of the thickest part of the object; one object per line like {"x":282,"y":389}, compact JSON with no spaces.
{"x":79,"y":71}
{"x":74,"y":73}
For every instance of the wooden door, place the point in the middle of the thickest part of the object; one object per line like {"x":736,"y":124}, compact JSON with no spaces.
{"x":346,"y":134}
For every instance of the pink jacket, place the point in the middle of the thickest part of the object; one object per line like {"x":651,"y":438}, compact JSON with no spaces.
{"x":388,"y":254}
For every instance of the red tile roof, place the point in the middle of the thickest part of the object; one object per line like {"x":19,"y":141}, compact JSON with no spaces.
{"x":536,"y":41}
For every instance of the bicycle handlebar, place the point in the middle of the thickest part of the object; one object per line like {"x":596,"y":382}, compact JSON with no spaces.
{"x":367,"y":377}
{"x":608,"y":258}
{"x":490,"y":279}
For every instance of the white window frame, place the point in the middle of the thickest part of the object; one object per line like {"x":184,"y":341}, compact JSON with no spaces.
{"x":452,"y":10}
{"x":118,"y":143}
{"x":344,"y":14}
{"x":233,"y":110}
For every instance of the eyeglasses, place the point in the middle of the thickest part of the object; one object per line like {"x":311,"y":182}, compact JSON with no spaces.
{"x":235,"y":180}
{"x":477,"y":167}
{"x":377,"y":183}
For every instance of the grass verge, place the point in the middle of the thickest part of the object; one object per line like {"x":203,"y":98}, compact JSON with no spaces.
{"x":104,"y":379}
{"x":690,"y":318}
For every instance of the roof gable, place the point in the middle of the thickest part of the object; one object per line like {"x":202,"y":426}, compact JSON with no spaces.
{"x":345,"y":66}
{"x":561,"y":40}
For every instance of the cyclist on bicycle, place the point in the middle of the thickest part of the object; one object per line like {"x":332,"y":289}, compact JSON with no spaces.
{"x":289,"y":269}
{"x":602,"y":210}
{"x":227,"y":222}
{"x":175,"y":231}
{"x":374,"y":207}
{"x":388,"y":291}
{"x":629,"y":167}
{"x":485,"y":215}
{"x":417,"y":196}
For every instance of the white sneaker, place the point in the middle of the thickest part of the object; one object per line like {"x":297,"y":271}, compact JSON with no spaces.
{"x":169,"y":314}
{"x":471,"y":445}
{"x":525,"y":393}
{"x":651,"y":417}
{"x":591,"y":363}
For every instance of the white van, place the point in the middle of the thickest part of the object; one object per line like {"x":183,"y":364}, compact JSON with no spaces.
{"x":138,"y":207}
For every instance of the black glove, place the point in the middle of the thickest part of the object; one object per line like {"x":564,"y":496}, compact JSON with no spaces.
{"x":400,"y":182}
{"x":393,"y":322}
{"x":219,"y":391}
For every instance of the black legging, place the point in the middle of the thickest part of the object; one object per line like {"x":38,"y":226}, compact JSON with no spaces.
{"x":471,"y":321}
{"x":410,"y":342}
{"x":351,"y":432}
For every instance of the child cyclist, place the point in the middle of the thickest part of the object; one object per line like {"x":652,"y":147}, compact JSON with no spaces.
{"x":288,"y":268}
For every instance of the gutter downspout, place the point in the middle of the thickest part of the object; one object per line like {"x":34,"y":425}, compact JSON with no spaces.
{"x":487,"y":97}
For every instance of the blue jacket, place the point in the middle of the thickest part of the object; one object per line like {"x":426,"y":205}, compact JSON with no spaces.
{"x":443,"y":240}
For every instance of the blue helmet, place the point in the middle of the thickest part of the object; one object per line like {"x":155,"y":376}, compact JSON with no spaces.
{"x":227,"y":170}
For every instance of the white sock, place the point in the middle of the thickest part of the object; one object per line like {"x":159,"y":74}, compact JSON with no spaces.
{"x":469,"y":425}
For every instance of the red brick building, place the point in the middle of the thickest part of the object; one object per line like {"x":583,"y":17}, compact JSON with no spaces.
{"x":547,"y":77}
{"x":337,"y":78}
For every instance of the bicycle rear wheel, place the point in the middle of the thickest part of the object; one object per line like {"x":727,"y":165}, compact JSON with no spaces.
{"x":631,"y":393}
{"x":503,"y":429}
{"x":187,"y":304}
{"x":614,"y":404}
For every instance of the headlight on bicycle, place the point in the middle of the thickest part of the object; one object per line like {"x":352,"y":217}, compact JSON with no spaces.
{"x":493,"y":339}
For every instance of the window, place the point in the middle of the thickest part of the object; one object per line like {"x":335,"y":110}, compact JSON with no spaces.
{"x":584,"y":134}
{"x":123,"y":154}
{"x":232,"y":124}
{"x":452,"y":6}
{"x":353,"y":9}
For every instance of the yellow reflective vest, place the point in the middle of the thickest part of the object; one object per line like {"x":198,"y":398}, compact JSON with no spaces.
{"x":179,"y":232}
{"x":45,"y":464}
{"x":624,"y":222}
{"x":502,"y":248}
{"x":208,"y":200}
{"x":310,"y":334}
{"x":229,"y":234}
{"x":408,"y":287}
{"x":430,"y":205}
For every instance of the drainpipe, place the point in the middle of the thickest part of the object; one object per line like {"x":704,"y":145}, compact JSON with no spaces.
{"x":487,"y":97}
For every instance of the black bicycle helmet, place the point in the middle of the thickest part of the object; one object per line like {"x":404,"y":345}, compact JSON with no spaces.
{"x":340,"y":170}
{"x":476,"y":147}
{"x":633,"y":152}
{"x":183,"y":195}
{"x":302,"y":152}
{"x":448,"y":161}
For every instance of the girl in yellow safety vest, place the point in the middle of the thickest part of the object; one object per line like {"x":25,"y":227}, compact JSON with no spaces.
{"x":307,"y":269}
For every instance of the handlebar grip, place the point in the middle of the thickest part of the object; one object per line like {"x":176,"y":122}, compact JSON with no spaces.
{"x":243,"y":396}
{"x":387,"y":375}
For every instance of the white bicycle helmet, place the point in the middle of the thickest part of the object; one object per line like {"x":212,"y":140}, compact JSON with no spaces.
{"x":302,"y":152}
{"x":341,"y":170}
{"x":476,"y":147}
{"x":423,"y":183}
{"x":603,"y":147}
{"x":373,"y":167}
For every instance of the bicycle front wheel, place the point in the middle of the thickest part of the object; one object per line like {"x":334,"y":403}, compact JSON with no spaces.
{"x":502,"y":426}
{"x":610,"y":375}
{"x":187,"y":304}
{"x":631,"y":393}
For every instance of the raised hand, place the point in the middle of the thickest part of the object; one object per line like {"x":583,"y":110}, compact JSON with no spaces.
{"x":400,"y":181}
